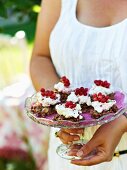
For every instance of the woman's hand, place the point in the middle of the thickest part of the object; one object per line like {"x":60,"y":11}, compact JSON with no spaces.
{"x":105,"y":140}
{"x":67,"y":136}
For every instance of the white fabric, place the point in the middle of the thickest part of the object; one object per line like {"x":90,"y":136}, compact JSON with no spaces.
{"x":84,"y":53}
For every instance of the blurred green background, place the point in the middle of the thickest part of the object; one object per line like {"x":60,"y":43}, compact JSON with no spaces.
{"x":16,"y":15}
{"x":17,"y":30}
{"x":19,"y":15}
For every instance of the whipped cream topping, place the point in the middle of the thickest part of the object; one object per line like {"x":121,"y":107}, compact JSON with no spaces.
{"x":61,"y":88}
{"x":46,"y":101}
{"x":84,"y":99}
{"x":36,"y":97}
{"x":75,"y":112}
{"x":100,"y":107}
{"x":72,"y":97}
{"x":77,"y":98}
{"x":89,"y":101}
{"x":99,"y":89}
{"x":68,"y":112}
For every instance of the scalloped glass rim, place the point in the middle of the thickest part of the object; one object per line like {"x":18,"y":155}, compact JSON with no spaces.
{"x":83,"y":123}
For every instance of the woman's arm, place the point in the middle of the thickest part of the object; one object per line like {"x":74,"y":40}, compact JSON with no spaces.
{"x":42,"y":71}
{"x":105,"y":140}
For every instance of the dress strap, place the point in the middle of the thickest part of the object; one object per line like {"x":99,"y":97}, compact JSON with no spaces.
{"x":68,"y":6}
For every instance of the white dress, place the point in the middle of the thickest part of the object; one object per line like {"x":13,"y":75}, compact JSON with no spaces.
{"x":84,"y":53}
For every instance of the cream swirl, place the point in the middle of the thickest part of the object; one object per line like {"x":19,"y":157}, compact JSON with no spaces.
{"x":72,"y":97}
{"x":100,"y":107}
{"x":99,"y":89}
{"x":61,"y":88}
{"x":68,"y":112}
{"x":46,"y":101}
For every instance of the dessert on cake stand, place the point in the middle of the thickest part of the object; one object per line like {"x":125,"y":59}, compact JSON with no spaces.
{"x":69,"y":107}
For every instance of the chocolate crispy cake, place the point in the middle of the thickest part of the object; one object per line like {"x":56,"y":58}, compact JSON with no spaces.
{"x":70,"y":104}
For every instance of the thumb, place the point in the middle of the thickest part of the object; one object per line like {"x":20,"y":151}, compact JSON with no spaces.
{"x":88,"y":148}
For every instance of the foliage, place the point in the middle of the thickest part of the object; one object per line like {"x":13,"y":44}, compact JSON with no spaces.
{"x":17,"y":165}
{"x":21,"y":7}
{"x":28,"y":27}
{"x":18,"y":15}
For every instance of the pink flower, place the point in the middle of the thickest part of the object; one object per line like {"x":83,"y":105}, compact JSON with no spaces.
{"x":13,"y":153}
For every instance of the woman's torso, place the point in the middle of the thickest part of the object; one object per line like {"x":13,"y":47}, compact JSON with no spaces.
{"x":84,"y":53}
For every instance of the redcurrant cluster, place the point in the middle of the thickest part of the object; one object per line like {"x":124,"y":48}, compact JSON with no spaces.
{"x":81,"y":91}
{"x":70,"y":104}
{"x":102,"y":83}
{"x":100,"y":97}
{"x":65,"y":81}
{"x":48,"y":93}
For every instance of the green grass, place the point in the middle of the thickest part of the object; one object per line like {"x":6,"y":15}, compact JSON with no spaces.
{"x":29,"y":29}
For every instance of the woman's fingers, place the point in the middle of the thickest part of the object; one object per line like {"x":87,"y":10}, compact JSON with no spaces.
{"x":91,"y":154}
{"x":88,"y":148}
{"x":74,"y":131}
{"x":69,"y":135}
{"x":74,"y":149}
{"x":72,"y":152}
{"x":77,"y":146}
{"x":99,"y":158}
{"x":66,"y":137}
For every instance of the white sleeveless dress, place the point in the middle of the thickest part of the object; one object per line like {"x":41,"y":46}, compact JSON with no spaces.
{"x":84,"y":53}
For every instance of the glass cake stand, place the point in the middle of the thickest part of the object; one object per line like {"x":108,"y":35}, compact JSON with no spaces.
{"x":88,"y":121}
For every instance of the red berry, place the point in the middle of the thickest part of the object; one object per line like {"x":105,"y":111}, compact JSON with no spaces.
{"x":46,"y":94}
{"x":65,"y":81}
{"x":67,"y":104}
{"x":107,"y":85}
{"x":43,"y":94}
{"x":85,"y":93}
{"x":52,"y":92}
{"x":53,"y":96}
{"x":102,"y":83}
{"x":80,"y":93}
{"x":63,"y":78}
{"x":97,"y":82}
{"x":107,"y":97}
{"x":94,"y":95}
{"x":73,"y":105}
{"x":70,"y":104}
{"x":86,"y":89}
{"x":82,"y":89}
{"x":42,"y":90}
{"x":77,"y":91}
{"x":95,"y":98}
{"x":99,"y":94}
{"x":67,"y":84}
{"x":103,"y":100}
{"x":49,"y":91}
{"x":100,"y":97}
